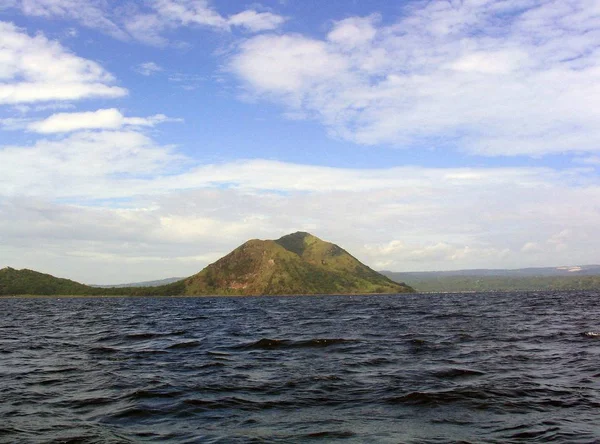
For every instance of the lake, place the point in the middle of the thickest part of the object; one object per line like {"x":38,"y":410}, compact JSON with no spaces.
{"x":418,"y":368}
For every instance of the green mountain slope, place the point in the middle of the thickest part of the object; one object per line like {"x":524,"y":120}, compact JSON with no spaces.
{"x":298,"y":263}
{"x":31,"y":282}
{"x":295,"y":264}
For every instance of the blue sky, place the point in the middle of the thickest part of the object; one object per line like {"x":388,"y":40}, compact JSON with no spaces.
{"x":146,"y":139}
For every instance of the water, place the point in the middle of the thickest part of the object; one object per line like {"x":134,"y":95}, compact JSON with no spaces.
{"x":503,"y":368}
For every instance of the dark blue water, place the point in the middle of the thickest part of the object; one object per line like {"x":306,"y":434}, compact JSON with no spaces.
{"x":521,"y":367}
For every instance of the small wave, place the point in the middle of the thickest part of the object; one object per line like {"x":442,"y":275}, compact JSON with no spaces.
{"x":591,"y":334}
{"x":189,"y":344}
{"x":151,"y":394}
{"x":137,"y":412}
{"x":148,"y":352}
{"x":236,"y":402}
{"x":51,"y":371}
{"x":153,"y":335}
{"x":330,"y":434}
{"x":212,"y":364}
{"x":451,"y":373}
{"x":103,"y":350}
{"x":266,"y":343}
{"x":47,"y":382}
{"x":437,"y":398}
{"x":218,"y":354}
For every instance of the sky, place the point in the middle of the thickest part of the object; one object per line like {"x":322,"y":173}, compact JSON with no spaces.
{"x":145,"y":139}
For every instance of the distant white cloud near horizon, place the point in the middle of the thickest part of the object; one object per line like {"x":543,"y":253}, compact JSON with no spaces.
{"x":419,"y":136}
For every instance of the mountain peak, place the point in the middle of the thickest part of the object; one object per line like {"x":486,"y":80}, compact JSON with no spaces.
{"x":297,"y":263}
{"x":297,"y":242}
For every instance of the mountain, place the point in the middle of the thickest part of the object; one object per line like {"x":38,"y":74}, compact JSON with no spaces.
{"x":298,"y":263}
{"x":157,"y":283}
{"x":576,"y":277}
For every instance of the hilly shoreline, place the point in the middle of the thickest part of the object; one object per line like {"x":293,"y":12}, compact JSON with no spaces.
{"x":296,"y":264}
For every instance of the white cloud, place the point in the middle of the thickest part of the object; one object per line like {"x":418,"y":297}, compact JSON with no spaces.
{"x":90,"y":13}
{"x":187,"y":12}
{"x":590,"y":160}
{"x":256,"y":21}
{"x":101,"y":119}
{"x":148,"y":68}
{"x":287,"y":65}
{"x":531,"y":247}
{"x":147,"y":21}
{"x":35,"y":69}
{"x":164,"y":15}
{"x":91,"y":164}
{"x":354,"y":32}
{"x":487,"y":77}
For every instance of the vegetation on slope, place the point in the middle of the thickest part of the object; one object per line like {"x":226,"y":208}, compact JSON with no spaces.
{"x":31,"y":282}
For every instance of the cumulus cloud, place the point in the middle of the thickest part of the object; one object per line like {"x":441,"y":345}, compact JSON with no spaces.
{"x":255,"y":21}
{"x":487,"y":77}
{"x":91,"y":164}
{"x":35,"y":69}
{"x":101,"y":119}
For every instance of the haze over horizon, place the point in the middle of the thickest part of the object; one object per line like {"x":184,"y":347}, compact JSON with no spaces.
{"x":143,"y":140}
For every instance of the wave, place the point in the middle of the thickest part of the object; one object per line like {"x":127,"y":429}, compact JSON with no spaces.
{"x":152,"y":335}
{"x":266,"y":343}
{"x":188,"y":344}
{"x":452,"y":373}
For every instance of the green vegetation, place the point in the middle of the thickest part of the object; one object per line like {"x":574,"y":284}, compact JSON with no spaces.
{"x":29,"y":282}
{"x":295,"y":264}
{"x":438,"y":282}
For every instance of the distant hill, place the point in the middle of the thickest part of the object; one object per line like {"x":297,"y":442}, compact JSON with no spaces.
{"x":157,"y":283}
{"x":298,"y":263}
{"x":31,"y":282}
{"x":578,"y":277}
